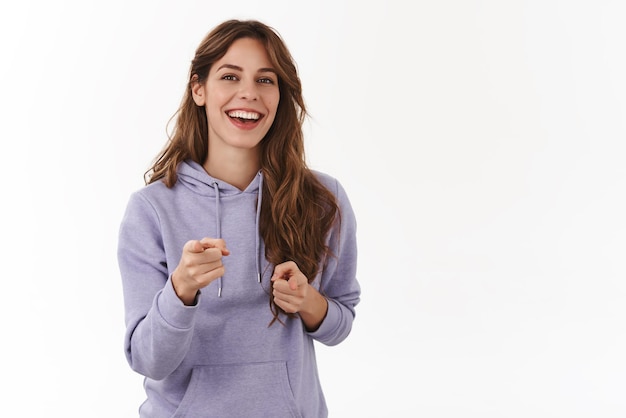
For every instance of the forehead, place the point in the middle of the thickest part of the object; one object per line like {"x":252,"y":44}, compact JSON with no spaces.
{"x":247,"y":53}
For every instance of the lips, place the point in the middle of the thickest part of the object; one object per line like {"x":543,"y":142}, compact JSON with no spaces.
{"x":244,"y":116}
{"x":244,"y":119}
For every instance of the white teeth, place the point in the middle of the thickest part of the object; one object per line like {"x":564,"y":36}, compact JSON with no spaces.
{"x":244,"y":115}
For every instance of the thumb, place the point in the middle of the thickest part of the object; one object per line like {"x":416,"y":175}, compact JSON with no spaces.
{"x":293,"y":282}
{"x":284,"y":270}
{"x":193,"y":246}
{"x":215,"y":243}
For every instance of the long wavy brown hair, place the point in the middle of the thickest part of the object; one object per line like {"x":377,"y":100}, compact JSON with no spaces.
{"x":297,"y":211}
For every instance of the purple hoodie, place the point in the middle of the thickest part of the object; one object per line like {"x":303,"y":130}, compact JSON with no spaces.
{"x":219,"y":358}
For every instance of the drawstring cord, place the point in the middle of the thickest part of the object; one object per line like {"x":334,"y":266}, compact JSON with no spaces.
{"x":218,"y":227}
{"x":258,"y":234}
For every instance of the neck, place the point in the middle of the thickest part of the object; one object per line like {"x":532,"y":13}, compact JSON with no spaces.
{"x":237,"y":169}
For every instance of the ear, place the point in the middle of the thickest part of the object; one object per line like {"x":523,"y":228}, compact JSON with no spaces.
{"x":197,"y":91}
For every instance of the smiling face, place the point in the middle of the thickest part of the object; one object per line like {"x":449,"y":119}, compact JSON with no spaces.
{"x":240,"y":96}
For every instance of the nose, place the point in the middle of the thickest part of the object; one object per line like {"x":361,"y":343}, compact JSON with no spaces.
{"x":248,"y":90}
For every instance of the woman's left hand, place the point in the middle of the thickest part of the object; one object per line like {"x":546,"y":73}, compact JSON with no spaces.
{"x":290,"y":287}
{"x":293,"y":293}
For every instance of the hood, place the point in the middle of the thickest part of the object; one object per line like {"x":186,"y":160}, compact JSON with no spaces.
{"x":193,"y":176}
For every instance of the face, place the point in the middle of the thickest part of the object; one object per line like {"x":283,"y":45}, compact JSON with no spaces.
{"x":240,"y":96}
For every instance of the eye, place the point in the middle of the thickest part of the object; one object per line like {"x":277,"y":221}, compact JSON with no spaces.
{"x":229,"y":77}
{"x":266,"y":80}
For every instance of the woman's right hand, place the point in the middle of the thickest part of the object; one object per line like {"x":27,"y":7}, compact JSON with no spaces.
{"x":200,"y":264}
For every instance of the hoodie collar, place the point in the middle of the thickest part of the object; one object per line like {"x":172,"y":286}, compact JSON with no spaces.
{"x":193,"y":176}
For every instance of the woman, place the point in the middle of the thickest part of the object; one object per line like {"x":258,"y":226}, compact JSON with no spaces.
{"x":235,"y":257}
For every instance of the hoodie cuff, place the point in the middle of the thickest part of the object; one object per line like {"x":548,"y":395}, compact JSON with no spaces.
{"x":329,"y":324}
{"x":173,"y":310}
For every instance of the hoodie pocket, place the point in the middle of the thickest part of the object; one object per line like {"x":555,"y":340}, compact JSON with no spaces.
{"x":239,"y":390}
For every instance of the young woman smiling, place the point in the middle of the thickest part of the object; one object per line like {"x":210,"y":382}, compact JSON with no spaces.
{"x":235,"y":257}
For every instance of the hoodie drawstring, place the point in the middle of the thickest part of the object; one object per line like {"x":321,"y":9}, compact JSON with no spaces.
{"x":257,"y":242}
{"x":258,"y":233}
{"x":218,"y":228}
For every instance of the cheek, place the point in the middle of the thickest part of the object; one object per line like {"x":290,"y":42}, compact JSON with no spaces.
{"x":215,"y":103}
{"x":218,"y":97}
{"x":273,"y":103}
{"x":212,"y":112}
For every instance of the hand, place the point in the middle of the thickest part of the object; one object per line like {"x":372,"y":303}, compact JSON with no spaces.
{"x":290,"y":287}
{"x":293,"y":293}
{"x":200,"y":264}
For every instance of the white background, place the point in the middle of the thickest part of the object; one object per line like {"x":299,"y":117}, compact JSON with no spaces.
{"x":482,"y":146}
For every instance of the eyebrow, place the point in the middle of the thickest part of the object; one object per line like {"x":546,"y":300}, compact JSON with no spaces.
{"x":238,"y":68}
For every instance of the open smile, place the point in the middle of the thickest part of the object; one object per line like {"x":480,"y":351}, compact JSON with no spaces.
{"x":244,"y":116}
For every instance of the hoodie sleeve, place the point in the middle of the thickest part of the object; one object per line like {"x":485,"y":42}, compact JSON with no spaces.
{"x":159,"y":326}
{"x":338,"y":279}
